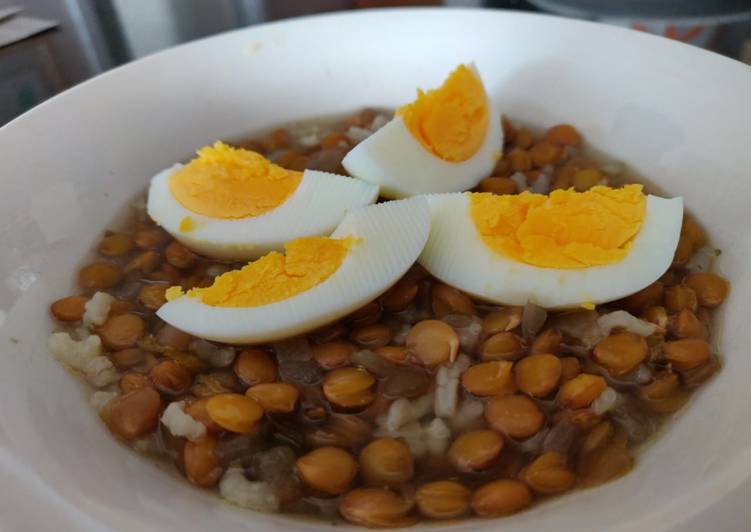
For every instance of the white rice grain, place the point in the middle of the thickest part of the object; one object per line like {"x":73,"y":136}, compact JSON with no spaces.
{"x":181,"y":424}
{"x":357,"y":134}
{"x":621,"y":319}
{"x":100,"y":372}
{"x":238,"y":490}
{"x":74,"y":353}
{"x":521,"y":181}
{"x":437,"y":436}
{"x":378,"y":122}
{"x":97,"y":309}
{"x":100,"y":399}
{"x":605,"y":401}
{"x":399,"y":414}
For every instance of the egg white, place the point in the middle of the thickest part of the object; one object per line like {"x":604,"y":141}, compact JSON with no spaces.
{"x":394,"y":159}
{"x":456,"y":254}
{"x":392,"y":235}
{"x":314,"y":208}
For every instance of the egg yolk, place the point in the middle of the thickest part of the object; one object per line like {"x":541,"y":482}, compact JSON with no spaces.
{"x":307,"y":262}
{"x":451,"y":121}
{"x":226,"y":182}
{"x":564,"y":230}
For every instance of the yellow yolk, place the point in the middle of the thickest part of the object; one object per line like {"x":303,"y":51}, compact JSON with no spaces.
{"x":451,"y":122}
{"x":226,"y":182}
{"x":308,"y":262}
{"x":564,"y":230}
{"x":187,"y":224}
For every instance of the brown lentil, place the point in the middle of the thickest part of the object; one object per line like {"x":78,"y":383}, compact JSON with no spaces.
{"x":570,"y":368}
{"x":585,"y":179}
{"x":538,"y":375}
{"x":179,"y":256}
{"x":489,"y":378}
{"x":393,"y":353}
{"x":69,"y":308}
{"x":443,"y":499}
{"x":234,"y":412}
{"x":254,"y":366}
{"x":152,"y":296}
{"x":597,"y":437}
{"x":332,"y":355}
{"x":693,"y":233}
{"x":122,"y":331}
{"x":687,"y":353}
{"x":476,"y":450}
{"x":449,"y":300}
{"x":548,"y":473}
{"x":502,"y":346}
{"x":683,"y":251}
{"x":372,"y":336}
{"x":115,"y":245}
{"x":548,"y":341}
{"x":99,"y":276}
{"x":433,"y":342}
{"x":327,"y":469}
{"x":543,"y":153}
{"x":171,"y":378}
{"x":277,"y":397}
{"x":621,"y":352}
{"x":679,"y":297}
{"x":200,"y":462}
{"x":563,"y":134}
{"x":603,"y":464}
{"x":376,"y":507}
{"x":401,"y":295}
{"x":134,"y":414}
{"x":367,"y":315}
{"x":128,"y":358}
{"x":197,"y":410}
{"x":506,"y":319}
{"x":644,"y":298}
{"x":516,"y":416}
{"x":349,"y":388}
{"x":501,"y":497}
{"x":386,"y":462}
{"x":146,"y":262}
{"x":523,"y":138}
{"x":710,"y":289}
{"x":497,"y":185}
{"x":657,"y":315}
{"x":520,"y":161}
{"x":580,"y":391}
{"x":687,"y":325}
{"x":152,"y":238}
{"x":169,"y":336}
{"x":134,"y":381}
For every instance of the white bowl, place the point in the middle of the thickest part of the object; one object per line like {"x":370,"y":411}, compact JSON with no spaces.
{"x":678,"y":114}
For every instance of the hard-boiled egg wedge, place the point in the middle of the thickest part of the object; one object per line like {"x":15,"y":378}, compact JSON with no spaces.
{"x":563,"y":250}
{"x":318,"y":280}
{"x":230,"y":203}
{"x":447,"y":140}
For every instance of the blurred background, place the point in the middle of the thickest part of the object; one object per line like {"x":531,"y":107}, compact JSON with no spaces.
{"x":49,"y":45}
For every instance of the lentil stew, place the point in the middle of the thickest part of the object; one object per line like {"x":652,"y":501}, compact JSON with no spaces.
{"x":422,"y":405}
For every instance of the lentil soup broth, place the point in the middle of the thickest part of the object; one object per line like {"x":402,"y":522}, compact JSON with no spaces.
{"x":361,"y":419}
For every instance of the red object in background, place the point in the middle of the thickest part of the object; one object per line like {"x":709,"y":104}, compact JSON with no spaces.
{"x":697,"y":34}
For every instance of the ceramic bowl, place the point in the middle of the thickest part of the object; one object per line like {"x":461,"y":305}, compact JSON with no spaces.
{"x":678,"y":115}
